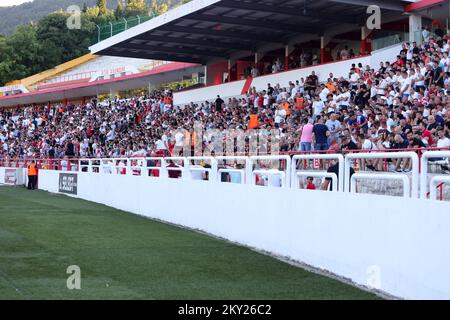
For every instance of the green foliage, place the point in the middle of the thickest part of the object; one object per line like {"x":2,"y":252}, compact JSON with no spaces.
{"x":71,"y":42}
{"x":135,"y":8}
{"x":119,"y":13}
{"x":19,"y":60}
{"x":101,"y":4}
{"x":160,"y":6}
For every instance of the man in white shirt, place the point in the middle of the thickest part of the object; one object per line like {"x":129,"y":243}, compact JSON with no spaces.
{"x":280,"y":115}
{"x":324,"y":93}
{"x":443,"y":141}
{"x":343,"y":100}
{"x":354,"y":77}
{"x":254,"y":72}
{"x":334,"y":126}
{"x":318,"y":106}
{"x":405,"y":85}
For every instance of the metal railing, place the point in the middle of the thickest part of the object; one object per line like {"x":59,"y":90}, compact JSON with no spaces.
{"x":400,"y":156}
{"x":425,"y":184}
{"x":111,"y":29}
{"x":280,"y":170}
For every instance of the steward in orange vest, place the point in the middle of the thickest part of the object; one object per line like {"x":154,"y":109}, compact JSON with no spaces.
{"x":32,"y":175}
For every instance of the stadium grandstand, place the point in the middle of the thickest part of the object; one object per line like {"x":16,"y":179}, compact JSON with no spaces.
{"x":90,"y":76}
{"x":302,"y":132}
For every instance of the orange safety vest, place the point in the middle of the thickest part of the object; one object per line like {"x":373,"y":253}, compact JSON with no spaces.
{"x":32,"y":170}
{"x":331,"y":87}
{"x":253,"y":121}
{"x":286,"y":108}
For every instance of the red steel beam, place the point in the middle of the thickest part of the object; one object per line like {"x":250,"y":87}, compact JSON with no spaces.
{"x":422,"y":4}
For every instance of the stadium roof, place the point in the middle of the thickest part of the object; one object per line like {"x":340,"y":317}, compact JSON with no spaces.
{"x":202,"y":31}
{"x":164,"y":74}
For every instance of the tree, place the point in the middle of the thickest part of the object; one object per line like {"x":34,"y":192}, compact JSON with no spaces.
{"x":5,"y":61}
{"x":102,"y":8}
{"x":119,"y":13}
{"x":159,"y":7}
{"x":72,"y":43}
{"x":135,"y":7}
{"x":22,"y":54}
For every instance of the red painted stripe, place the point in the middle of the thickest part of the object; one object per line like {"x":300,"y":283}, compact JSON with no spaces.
{"x":422,"y":4}
{"x":247,"y":85}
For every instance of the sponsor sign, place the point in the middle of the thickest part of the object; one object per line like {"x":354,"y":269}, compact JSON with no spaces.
{"x":68,"y":183}
{"x":10,"y":176}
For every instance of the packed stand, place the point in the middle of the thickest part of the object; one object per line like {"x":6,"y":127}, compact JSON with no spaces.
{"x":396,"y":105}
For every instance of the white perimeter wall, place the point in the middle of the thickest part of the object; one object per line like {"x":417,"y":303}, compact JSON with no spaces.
{"x":353,"y":236}
{"x":386,"y":54}
{"x":234,"y":89}
{"x":226,"y":90}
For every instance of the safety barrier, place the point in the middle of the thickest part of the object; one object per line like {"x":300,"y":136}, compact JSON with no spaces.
{"x":212,"y":170}
{"x":434,"y":183}
{"x":402,"y":156}
{"x":280,"y":170}
{"x":424,"y":176}
{"x":386,"y":176}
{"x":338,"y":184}
{"x":236,"y":160}
{"x":270,"y":162}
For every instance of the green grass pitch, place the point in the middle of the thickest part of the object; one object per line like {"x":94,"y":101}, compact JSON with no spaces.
{"x":124,"y":256}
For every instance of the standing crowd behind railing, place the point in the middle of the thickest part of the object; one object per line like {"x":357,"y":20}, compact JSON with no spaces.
{"x":335,"y":172}
{"x":398,"y":105}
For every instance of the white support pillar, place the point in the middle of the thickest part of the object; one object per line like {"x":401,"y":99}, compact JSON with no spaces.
{"x":287,"y":52}
{"x":230,"y":65}
{"x":257,"y":57}
{"x":415,"y":28}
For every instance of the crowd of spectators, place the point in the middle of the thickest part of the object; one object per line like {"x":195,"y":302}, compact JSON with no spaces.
{"x":396,"y":105}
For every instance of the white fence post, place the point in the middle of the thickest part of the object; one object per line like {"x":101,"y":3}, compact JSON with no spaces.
{"x":386,"y":176}
{"x":434,"y":182}
{"x":424,"y":170}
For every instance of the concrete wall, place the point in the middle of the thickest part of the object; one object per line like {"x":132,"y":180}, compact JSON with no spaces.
{"x":386,"y":54}
{"x":398,"y":245}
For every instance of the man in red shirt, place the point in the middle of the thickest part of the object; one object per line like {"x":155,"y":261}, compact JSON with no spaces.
{"x":426,"y":134}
